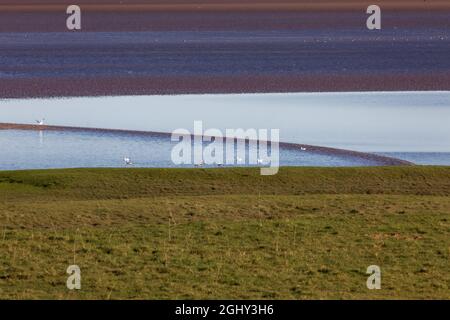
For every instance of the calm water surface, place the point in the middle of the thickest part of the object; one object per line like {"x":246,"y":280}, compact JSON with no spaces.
{"x":413,"y":126}
{"x":23,"y":149}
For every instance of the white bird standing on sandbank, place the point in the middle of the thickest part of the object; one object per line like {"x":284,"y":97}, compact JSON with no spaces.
{"x":40,"y":122}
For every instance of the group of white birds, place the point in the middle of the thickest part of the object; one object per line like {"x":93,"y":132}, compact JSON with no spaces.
{"x":238,"y":160}
{"x":128,"y":161}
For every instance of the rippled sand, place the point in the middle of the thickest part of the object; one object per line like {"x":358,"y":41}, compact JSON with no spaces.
{"x":156,"y":47}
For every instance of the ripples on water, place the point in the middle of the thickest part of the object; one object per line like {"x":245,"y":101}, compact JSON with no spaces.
{"x":23,"y":149}
{"x":424,"y":158}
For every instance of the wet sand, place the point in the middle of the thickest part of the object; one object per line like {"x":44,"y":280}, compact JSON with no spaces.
{"x":229,"y":5}
{"x":157,"y":47}
{"x":378,"y":159}
{"x":102,"y":86}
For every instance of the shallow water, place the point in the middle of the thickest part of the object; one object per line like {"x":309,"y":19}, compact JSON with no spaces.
{"x":23,"y":149}
{"x":424,"y":158}
{"x":413,"y":126}
{"x":62,"y":54}
{"x":366,"y":121}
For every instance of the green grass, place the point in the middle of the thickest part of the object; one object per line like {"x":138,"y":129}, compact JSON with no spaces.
{"x":306,"y":233}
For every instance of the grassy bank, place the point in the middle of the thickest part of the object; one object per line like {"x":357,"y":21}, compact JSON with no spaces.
{"x":226,"y":233}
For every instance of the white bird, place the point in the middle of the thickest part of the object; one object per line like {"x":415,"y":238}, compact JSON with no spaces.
{"x":303,"y":148}
{"x":40,"y":122}
{"x":260,"y":161}
{"x":127,"y":161}
{"x":200,"y":164}
{"x":239,"y":160}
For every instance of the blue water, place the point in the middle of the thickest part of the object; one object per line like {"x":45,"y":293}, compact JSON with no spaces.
{"x":364,"y":121}
{"x":21,"y":149}
{"x":412,"y":126}
{"x":423,"y":158}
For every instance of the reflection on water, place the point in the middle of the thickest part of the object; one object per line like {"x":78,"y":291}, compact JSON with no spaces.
{"x":21,"y":149}
{"x":366,"y":121}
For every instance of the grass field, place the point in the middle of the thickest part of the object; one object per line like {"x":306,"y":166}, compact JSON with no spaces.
{"x":306,"y":233}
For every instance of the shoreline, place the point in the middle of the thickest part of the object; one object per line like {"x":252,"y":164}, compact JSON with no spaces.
{"x":245,"y":84}
{"x":378,"y":159}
